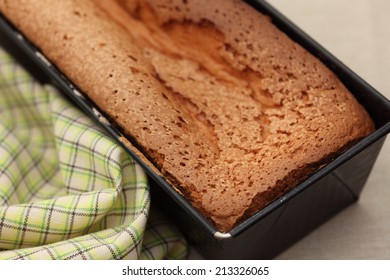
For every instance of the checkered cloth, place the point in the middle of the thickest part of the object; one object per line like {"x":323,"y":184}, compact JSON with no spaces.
{"x":68,"y":191}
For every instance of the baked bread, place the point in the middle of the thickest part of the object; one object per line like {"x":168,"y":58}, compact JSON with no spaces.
{"x":228,"y":108}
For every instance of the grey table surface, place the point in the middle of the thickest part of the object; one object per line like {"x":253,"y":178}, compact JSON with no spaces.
{"x":358,"y":33}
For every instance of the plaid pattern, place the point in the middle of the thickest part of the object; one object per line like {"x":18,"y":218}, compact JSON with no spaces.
{"x":68,"y":191}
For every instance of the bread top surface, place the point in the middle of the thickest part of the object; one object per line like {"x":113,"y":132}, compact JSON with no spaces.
{"x":225,"y":105}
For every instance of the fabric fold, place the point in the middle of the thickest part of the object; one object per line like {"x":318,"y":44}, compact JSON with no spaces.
{"x":67,"y":190}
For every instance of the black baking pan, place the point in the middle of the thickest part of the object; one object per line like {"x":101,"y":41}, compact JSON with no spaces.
{"x":290,"y":217}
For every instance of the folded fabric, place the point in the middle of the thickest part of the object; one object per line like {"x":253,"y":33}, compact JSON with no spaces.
{"x":67,"y":190}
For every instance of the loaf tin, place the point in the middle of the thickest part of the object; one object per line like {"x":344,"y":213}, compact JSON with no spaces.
{"x":290,"y":217}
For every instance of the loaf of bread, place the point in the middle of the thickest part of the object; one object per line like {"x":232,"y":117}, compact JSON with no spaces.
{"x":227,"y":107}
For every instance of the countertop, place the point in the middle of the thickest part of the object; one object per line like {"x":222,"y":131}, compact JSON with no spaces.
{"x":357,"y":32}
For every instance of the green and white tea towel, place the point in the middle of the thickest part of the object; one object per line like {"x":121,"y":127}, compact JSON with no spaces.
{"x":68,"y":191}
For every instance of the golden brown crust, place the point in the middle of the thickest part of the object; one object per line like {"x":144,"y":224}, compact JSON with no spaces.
{"x":226,"y":106}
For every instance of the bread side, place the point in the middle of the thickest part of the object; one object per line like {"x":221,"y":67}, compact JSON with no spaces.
{"x":225,"y":105}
